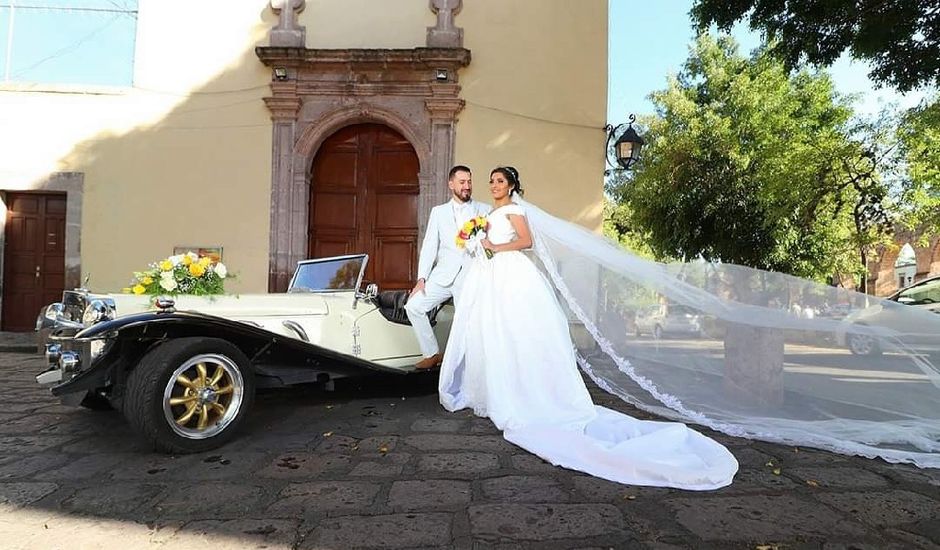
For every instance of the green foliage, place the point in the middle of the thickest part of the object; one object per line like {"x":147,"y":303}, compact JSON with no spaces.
{"x":749,"y":164}
{"x":919,"y":136}
{"x":900,"y":38}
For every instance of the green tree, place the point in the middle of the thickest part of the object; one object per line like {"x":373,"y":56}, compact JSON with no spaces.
{"x":919,"y":137}
{"x":900,"y":38}
{"x":746,"y":163}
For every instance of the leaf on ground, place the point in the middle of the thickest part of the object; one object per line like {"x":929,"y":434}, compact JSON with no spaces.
{"x":812,"y":483}
{"x":327,"y":434}
{"x":776,"y":471}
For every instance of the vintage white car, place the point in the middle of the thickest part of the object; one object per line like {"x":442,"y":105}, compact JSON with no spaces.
{"x":184,"y":372}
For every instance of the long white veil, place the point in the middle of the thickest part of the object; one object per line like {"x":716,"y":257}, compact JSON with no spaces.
{"x":749,"y":353}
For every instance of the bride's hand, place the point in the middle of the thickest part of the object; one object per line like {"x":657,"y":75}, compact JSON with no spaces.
{"x":485,"y":243}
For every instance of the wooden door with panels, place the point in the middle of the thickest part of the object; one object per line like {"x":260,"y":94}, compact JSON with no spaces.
{"x":33,"y":256}
{"x":364,"y":198}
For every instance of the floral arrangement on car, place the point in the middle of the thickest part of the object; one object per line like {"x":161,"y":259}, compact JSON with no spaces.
{"x":187,"y":273}
{"x":472,"y":232}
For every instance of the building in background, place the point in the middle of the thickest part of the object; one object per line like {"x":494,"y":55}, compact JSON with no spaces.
{"x":283,"y":129}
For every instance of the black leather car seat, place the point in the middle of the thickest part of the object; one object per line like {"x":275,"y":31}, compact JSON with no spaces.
{"x":392,"y":305}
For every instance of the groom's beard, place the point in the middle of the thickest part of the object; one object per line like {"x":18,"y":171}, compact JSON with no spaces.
{"x":462,"y":196}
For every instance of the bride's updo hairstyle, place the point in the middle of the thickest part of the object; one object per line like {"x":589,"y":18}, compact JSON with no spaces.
{"x":512,"y":176}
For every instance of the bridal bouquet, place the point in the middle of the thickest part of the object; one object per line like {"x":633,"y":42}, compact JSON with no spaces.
{"x":472,"y":231}
{"x":187,"y":273}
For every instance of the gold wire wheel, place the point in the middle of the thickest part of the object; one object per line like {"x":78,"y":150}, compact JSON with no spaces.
{"x":203,"y":396}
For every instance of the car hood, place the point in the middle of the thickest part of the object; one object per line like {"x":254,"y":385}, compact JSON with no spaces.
{"x":235,"y":306}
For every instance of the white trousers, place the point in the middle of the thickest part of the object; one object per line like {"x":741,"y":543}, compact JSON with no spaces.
{"x":421,"y":303}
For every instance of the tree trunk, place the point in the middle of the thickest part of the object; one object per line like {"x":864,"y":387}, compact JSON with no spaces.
{"x":754,"y":365}
{"x":753,"y":371}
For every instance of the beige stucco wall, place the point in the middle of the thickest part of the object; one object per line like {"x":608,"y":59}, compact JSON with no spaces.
{"x":536,"y":94}
{"x":184,"y":157}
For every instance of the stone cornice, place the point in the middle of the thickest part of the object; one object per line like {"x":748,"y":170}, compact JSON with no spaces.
{"x":414,"y":58}
{"x":283,"y":108}
{"x":444,"y":109}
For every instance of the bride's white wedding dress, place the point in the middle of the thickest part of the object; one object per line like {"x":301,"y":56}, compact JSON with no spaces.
{"x":510,"y":358}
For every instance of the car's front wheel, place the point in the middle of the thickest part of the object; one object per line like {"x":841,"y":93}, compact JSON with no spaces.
{"x":189,"y":394}
{"x":863,"y":344}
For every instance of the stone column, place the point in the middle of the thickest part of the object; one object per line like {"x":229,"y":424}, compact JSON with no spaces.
{"x":443,"y":108}
{"x":282,"y":251}
{"x":445,"y":34}
{"x":287,"y":33}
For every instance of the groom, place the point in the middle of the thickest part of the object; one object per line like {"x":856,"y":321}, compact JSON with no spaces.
{"x":441,"y":263}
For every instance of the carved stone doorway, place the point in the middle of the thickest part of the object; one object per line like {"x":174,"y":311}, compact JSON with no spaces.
{"x":364,"y":198}
{"x":316,"y":93}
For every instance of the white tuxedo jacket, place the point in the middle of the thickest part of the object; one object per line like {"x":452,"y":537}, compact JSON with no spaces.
{"x":440,"y":261}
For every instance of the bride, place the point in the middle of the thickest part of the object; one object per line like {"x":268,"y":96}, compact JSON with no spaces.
{"x":510,"y":357}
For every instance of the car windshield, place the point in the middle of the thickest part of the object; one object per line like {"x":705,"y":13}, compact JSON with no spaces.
{"x":927,"y":293}
{"x":328,"y":274}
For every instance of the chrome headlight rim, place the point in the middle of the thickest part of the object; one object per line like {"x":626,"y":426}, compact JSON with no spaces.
{"x":97,"y":311}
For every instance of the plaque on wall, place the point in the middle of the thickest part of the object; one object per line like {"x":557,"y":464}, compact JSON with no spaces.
{"x":213,"y":252}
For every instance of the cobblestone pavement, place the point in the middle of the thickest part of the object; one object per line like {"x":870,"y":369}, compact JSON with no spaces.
{"x":382,"y":465}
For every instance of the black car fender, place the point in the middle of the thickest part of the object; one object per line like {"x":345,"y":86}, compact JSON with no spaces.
{"x":129,"y":337}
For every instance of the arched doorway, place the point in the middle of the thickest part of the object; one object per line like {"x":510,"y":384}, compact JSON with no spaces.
{"x":364,"y":198}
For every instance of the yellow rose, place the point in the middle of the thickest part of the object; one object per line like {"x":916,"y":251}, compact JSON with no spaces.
{"x":146,"y":280}
{"x":205,"y":261}
{"x":139,"y":289}
{"x":468,"y":227}
{"x":166,"y":265}
{"x":196,"y":270}
{"x":187,"y":260}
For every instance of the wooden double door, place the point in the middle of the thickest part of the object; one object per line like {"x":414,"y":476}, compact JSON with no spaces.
{"x":364,"y":198}
{"x":33,"y":257}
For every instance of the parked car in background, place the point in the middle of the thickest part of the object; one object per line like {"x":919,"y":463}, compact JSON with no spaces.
{"x":185,"y":380}
{"x":907,"y":330}
{"x":668,"y":319}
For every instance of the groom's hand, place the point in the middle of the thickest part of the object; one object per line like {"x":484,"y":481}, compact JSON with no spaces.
{"x":419,"y":287}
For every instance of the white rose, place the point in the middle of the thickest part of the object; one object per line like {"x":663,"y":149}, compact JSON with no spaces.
{"x":175,"y":260}
{"x":220,"y":270}
{"x":166,"y":275}
{"x":193,"y":256}
{"x":168,"y":284}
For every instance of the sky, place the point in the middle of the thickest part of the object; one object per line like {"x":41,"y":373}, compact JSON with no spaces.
{"x":650,"y":40}
{"x":68,"y":41}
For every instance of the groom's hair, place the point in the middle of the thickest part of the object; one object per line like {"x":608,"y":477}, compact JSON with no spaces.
{"x":458,"y":168}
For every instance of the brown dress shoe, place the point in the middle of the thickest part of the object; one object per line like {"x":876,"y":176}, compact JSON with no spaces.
{"x":430,"y":362}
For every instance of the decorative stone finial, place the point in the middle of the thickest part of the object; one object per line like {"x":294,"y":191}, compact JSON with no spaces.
{"x":288,"y":33}
{"x":445,"y":34}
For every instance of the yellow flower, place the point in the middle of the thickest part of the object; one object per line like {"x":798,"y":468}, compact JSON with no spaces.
{"x":468,"y":227}
{"x":146,"y":280}
{"x":139,"y":289}
{"x":126,"y":290}
{"x":166,"y":265}
{"x":187,"y":260}
{"x":205,"y":261}
{"x":196,"y":270}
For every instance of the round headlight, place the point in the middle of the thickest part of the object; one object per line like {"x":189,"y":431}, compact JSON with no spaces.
{"x":97,"y":311}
